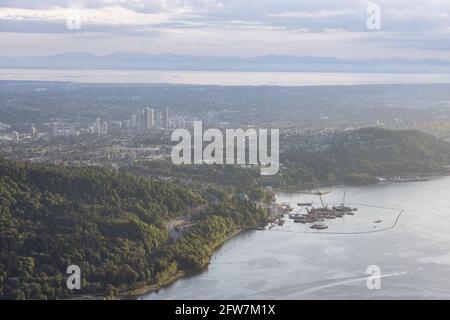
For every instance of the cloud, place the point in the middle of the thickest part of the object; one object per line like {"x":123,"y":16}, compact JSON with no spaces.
{"x":316,"y":14}
{"x":113,"y":15}
{"x":414,"y":25}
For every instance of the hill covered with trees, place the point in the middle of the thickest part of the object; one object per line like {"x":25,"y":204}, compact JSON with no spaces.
{"x":111,"y":225}
{"x":361,"y":156}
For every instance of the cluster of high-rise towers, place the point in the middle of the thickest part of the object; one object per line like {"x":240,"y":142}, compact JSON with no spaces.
{"x":144,"y":119}
{"x":148,"y":119}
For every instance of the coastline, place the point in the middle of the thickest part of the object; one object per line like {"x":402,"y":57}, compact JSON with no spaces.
{"x":387,"y":179}
{"x":139,"y":292}
{"x":136,"y":293}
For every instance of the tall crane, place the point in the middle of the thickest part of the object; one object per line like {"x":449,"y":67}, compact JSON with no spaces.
{"x":320,"y":194}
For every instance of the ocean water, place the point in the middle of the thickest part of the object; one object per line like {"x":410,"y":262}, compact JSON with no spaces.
{"x":296,"y":262}
{"x":222,"y":78}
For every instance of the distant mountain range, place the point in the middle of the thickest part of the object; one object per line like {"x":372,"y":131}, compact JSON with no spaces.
{"x":123,"y":60}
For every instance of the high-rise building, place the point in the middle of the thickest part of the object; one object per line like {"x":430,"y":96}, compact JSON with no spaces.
{"x":166,"y":119}
{"x":33,"y":131}
{"x":15,"y":136}
{"x":151,"y":120}
{"x":126,"y":124}
{"x":104,"y":128}
{"x":159,"y":120}
{"x":142,"y":121}
{"x":98,"y":126}
{"x":134,"y":121}
{"x":146,"y":118}
{"x":138,"y":119}
{"x":116,"y":125}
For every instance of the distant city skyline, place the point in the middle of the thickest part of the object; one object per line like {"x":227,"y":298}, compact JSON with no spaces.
{"x":410,"y":29}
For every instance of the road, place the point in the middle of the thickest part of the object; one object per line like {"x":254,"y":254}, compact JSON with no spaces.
{"x":173,"y":224}
{"x":178,"y":222}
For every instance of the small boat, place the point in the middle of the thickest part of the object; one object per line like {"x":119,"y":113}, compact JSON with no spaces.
{"x":319,"y":226}
{"x":350,"y":213}
{"x":281,"y":222}
{"x":339,"y":214}
{"x":377,"y":221}
{"x":301,"y":219}
{"x":304,"y":204}
{"x":323,"y":211}
{"x":309,"y":218}
{"x":342,"y":208}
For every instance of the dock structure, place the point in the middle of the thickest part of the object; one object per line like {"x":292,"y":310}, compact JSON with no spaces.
{"x":276,"y":212}
{"x":318,"y":215}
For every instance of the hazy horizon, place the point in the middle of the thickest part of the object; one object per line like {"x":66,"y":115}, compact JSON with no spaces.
{"x":413,"y":30}
{"x":268,"y":63}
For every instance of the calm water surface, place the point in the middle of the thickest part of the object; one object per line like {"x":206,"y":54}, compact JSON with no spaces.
{"x":294,"y":262}
{"x":221,"y":78}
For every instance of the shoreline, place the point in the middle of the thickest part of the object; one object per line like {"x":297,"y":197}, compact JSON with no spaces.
{"x":140,"y":292}
{"x":136,"y":293}
{"x":390,"y":179}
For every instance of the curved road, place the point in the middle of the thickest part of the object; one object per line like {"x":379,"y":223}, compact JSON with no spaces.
{"x":177,"y":222}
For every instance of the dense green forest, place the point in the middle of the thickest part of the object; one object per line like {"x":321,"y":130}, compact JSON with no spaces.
{"x":233,"y":179}
{"x":212,"y":174}
{"x":112,"y":225}
{"x":361,"y":156}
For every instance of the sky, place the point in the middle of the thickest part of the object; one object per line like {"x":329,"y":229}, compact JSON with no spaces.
{"x":411,"y":29}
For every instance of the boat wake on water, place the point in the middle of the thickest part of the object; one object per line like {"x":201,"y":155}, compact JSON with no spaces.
{"x":321,"y":285}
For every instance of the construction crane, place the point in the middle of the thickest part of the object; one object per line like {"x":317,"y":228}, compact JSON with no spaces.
{"x":320,"y":194}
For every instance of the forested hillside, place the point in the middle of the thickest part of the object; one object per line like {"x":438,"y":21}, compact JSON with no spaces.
{"x":111,"y":225}
{"x":360,"y":156}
